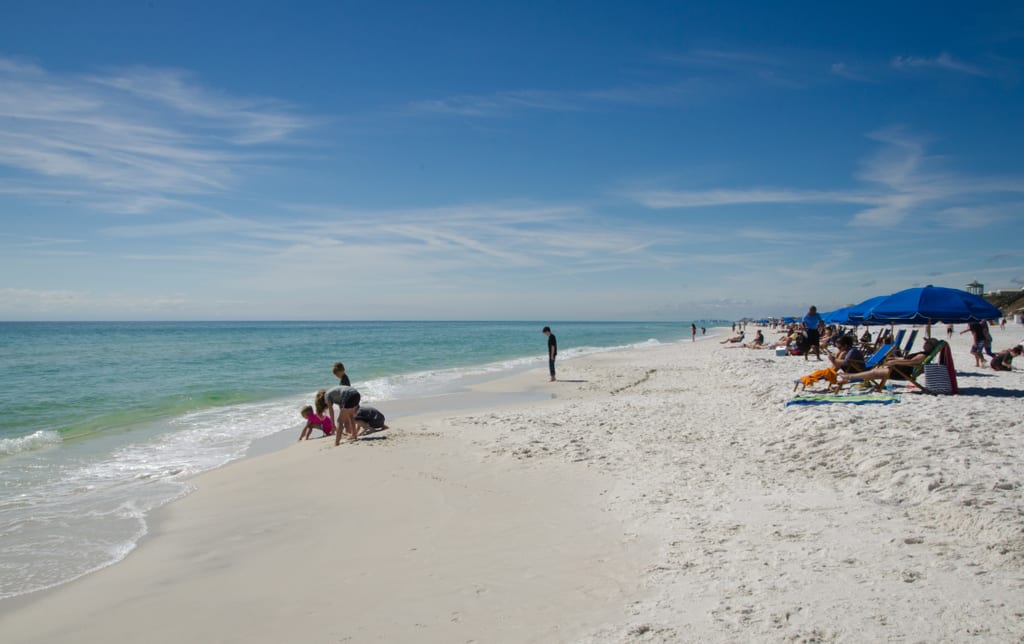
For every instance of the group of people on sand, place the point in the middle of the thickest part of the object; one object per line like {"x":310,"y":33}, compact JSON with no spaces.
{"x":848,"y":362}
{"x":337,"y":410}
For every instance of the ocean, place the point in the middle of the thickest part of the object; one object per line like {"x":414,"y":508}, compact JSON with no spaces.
{"x":102,"y":422}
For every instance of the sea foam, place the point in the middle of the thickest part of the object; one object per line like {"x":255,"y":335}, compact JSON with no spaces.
{"x":38,"y":440}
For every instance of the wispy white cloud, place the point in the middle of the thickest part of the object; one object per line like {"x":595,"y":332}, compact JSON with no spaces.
{"x":82,"y":304}
{"x":943,"y":61}
{"x":247,"y":121}
{"x":129,"y":141}
{"x":790,"y":71}
{"x":734,"y":197}
{"x":501,"y":104}
{"x":899,"y":180}
{"x":844,"y":70}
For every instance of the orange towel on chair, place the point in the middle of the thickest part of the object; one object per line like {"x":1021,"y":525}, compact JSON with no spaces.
{"x":828,"y":373}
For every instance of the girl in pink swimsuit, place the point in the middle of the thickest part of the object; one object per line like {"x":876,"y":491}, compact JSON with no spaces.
{"x":323,"y":423}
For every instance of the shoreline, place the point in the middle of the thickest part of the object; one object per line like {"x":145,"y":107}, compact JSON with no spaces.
{"x":662,"y":493}
{"x":565,"y":555}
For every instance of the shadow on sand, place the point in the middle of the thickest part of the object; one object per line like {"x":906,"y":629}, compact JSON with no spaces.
{"x":995,"y":392}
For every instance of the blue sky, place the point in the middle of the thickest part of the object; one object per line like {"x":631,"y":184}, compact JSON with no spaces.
{"x":527,"y":160}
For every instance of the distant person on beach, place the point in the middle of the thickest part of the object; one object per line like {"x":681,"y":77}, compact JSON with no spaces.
{"x":812,"y":322}
{"x":369,"y":420}
{"x":693,"y":333}
{"x":1002,"y":361}
{"x":347,"y":401}
{"x":552,"y":350}
{"x":323,"y":423}
{"x":988,"y":338}
{"x":756,"y":343}
{"x":949,"y":331}
{"x":977,"y":332}
{"x":339,"y":372}
{"x":735,"y":338}
{"x":703,"y":330}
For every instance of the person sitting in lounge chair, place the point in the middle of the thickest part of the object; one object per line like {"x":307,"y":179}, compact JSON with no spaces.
{"x":893,"y":368}
{"x":848,"y":359}
{"x":756,"y":343}
{"x":735,"y":338}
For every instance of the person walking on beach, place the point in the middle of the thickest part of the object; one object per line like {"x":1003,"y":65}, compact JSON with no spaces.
{"x":347,"y":400}
{"x":812,"y":321}
{"x":552,"y":351}
{"x":977,"y":332}
{"x":693,"y":332}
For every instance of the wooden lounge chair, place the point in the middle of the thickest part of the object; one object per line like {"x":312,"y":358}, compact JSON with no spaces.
{"x":945,"y":358}
{"x":898,"y":340}
{"x":909,"y":373}
{"x":879,"y":355}
{"x":910,"y":343}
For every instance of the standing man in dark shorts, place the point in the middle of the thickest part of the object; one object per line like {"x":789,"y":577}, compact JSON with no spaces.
{"x":812,"y":321}
{"x":552,"y":351}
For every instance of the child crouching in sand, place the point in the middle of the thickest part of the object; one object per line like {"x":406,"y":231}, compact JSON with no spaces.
{"x":313,"y":419}
{"x":369,"y":420}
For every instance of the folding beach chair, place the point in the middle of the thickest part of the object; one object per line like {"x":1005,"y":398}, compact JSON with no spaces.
{"x":910,"y":343}
{"x":871,"y":362}
{"x":876,"y":358}
{"x":914,"y":373}
{"x":898,"y":340}
{"x":940,"y":376}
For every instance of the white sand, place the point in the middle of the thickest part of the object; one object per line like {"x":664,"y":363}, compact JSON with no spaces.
{"x":663,"y":495}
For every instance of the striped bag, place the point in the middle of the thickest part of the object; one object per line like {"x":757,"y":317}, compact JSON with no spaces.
{"x":936,"y":379}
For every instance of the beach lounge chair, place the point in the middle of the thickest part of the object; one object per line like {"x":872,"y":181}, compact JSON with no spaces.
{"x":913,"y":373}
{"x":898,"y":340}
{"x":880,"y":354}
{"x":870,"y":362}
{"x":940,"y":375}
{"x":910,"y":343}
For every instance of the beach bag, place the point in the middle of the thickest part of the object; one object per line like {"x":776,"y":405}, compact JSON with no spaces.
{"x":936,"y":379}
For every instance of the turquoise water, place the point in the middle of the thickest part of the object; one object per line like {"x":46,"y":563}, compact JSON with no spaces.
{"x":103,"y":422}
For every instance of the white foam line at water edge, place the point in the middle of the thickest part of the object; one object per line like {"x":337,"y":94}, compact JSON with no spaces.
{"x":116,"y":551}
{"x":38,"y":440}
{"x":435,"y":382}
{"x":145,"y":473}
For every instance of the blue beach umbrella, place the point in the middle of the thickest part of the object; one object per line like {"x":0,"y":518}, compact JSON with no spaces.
{"x":855,"y":314}
{"x":927,"y":304}
{"x":838,"y":316}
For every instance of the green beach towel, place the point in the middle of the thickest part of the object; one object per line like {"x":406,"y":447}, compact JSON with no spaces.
{"x":853,"y":399}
